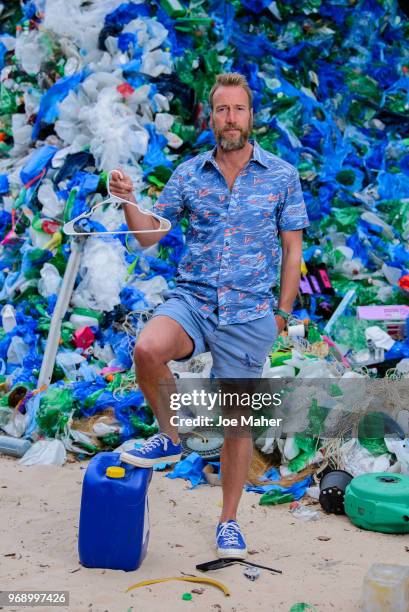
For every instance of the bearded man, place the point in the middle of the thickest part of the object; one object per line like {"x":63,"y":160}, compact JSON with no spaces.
{"x":241,"y":202}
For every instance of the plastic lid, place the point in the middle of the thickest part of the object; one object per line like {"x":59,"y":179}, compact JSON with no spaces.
{"x":115,"y":471}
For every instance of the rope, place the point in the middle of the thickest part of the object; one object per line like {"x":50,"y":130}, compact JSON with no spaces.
{"x":132,"y":329}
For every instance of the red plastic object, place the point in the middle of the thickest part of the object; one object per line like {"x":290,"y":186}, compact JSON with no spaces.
{"x":403,"y":282}
{"x":125,"y":90}
{"x":50,"y":227}
{"x":83,"y":337}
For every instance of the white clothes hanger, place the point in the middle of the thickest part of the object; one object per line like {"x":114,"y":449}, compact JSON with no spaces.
{"x":70,"y":230}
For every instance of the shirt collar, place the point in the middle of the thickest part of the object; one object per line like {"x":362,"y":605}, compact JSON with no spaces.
{"x":258,"y":155}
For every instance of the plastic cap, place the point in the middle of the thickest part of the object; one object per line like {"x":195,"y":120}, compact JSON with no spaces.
{"x":115,"y":471}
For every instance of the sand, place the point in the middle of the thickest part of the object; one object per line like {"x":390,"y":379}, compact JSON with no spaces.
{"x":39,"y":516}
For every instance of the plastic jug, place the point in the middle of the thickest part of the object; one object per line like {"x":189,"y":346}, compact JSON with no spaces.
{"x":15,"y":447}
{"x":386,"y":588}
{"x":114,"y":517}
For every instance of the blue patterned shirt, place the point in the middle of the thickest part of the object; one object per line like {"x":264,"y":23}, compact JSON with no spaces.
{"x":232,"y":239}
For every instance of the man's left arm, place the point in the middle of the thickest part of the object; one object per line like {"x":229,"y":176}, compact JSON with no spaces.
{"x":291,"y":245}
{"x":291,"y":219}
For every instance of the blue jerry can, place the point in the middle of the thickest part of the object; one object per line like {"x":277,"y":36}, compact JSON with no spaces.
{"x":114,"y":517}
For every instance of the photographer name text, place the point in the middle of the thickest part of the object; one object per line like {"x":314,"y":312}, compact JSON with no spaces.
{"x":207,"y":421}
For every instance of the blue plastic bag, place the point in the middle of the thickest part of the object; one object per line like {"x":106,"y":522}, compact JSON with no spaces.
{"x":190,"y":468}
{"x":3,"y":51}
{"x":126,"y":12}
{"x":48,"y":111}
{"x":38,"y":160}
{"x":4,"y":184}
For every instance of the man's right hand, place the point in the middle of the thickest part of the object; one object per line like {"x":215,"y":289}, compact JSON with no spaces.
{"x":120,"y":185}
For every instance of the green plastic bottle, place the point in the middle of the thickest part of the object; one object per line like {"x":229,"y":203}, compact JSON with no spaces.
{"x":173,"y":7}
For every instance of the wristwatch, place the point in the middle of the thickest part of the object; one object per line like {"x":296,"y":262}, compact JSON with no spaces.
{"x":283,"y":314}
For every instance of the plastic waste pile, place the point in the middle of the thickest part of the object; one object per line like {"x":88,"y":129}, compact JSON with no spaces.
{"x":87,"y":87}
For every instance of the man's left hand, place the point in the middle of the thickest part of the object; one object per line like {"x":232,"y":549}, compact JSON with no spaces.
{"x":281,"y":323}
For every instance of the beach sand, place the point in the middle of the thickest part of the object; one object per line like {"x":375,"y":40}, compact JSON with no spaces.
{"x":39,"y":514}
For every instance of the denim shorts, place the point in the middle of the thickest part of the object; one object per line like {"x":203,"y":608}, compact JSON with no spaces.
{"x":238,"y":350}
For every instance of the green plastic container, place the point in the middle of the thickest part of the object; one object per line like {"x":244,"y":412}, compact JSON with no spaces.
{"x":379,"y":502}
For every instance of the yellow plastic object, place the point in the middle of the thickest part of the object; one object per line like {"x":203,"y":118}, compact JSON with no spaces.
{"x":115,"y":471}
{"x":211,"y":581}
{"x":54,"y":242}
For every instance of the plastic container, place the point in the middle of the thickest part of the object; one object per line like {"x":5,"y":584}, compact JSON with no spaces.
{"x":114,"y":517}
{"x":303,"y":513}
{"x":379,"y":502}
{"x":15,"y":447}
{"x":332,"y":491}
{"x":386,"y":588}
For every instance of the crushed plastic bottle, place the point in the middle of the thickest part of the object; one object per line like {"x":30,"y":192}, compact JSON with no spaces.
{"x":304,"y":513}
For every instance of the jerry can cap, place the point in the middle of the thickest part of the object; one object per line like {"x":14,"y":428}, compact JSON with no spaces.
{"x":115,"y":471}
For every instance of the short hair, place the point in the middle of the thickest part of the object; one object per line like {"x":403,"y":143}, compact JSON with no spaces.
{"x":231,"y":79}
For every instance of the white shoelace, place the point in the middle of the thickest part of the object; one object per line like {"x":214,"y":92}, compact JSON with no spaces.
{"x":230,"y":531}
{"x":153,"y":442}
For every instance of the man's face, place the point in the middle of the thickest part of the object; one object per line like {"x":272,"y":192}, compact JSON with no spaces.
{"x":231,"y":118}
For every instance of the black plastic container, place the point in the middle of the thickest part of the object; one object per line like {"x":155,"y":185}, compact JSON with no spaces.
{"x":332,"y":491}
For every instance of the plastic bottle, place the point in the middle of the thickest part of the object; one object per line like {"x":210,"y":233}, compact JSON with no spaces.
{"x":173,"y":7}
{"x":386,"y":588}
{"x":303,"y":513}
{"x":114,"y":519}
{"x":15,"y":447}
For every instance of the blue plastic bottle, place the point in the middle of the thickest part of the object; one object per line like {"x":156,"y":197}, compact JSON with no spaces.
{"x":114,"y":518}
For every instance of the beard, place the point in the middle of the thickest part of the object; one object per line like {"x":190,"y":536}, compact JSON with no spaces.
{"x":232,"y":142}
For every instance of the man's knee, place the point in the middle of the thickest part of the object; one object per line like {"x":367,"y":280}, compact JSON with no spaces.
{"x":147,"y":354}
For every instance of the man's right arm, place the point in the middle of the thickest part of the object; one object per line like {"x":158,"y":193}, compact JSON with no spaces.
{"x":169,"y":205}
{"x":136,"y":221}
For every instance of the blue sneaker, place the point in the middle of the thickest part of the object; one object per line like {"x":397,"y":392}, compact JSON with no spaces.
{"x":229,"y":541}
{"x":157,"y":449}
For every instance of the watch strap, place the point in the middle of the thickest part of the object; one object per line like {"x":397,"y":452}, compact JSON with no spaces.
{"x":282,"y":313}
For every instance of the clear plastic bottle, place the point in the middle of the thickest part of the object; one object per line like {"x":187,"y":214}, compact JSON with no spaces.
{"x":304,"y":513}
{"x":386,"y":588}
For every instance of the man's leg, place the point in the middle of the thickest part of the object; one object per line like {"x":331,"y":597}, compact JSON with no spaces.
{"x":239,"y":352}
{"x":235,"y":461}
{"x":173,"y":333}
{"x":161,"y":340}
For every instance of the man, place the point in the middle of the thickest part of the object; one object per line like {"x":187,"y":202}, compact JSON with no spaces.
{"x":239,"y":199}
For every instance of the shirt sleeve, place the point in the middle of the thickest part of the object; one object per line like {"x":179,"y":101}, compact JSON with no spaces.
{"x":170,"y":202}
{"x":292,"y":212}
